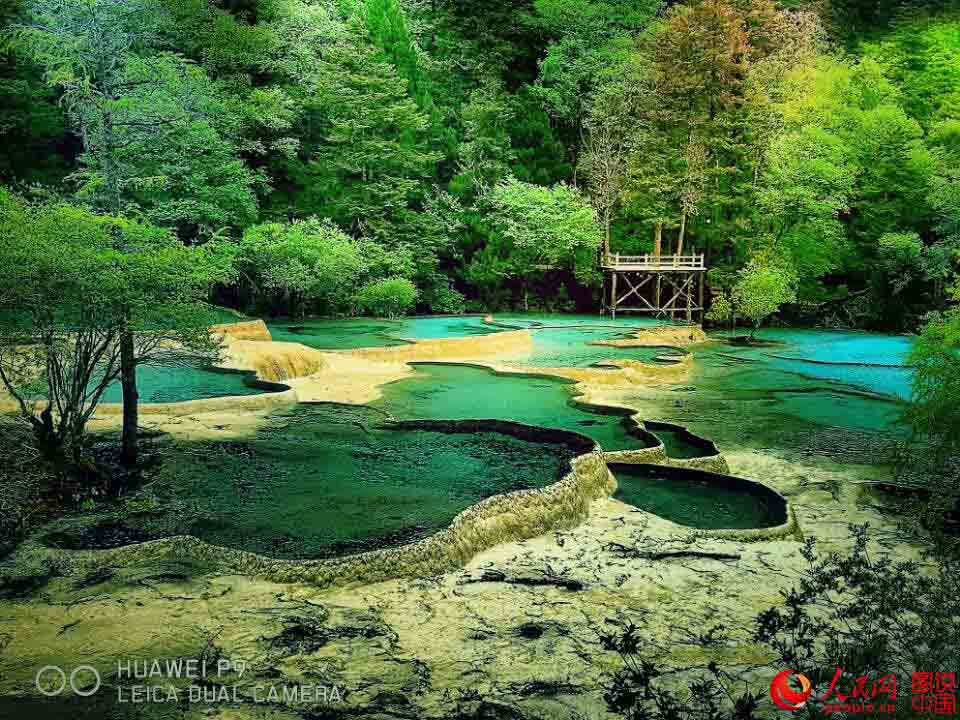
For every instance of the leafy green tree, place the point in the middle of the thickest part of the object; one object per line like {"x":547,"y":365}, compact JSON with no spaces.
{"x":921,"y":57}
{"x":34,"y":146}
{"x":588,"y":38}
{"x":390,"y":298}
{"x":944,"y":200}
{"x":537,"y":230}
{"x":152,"y":125}
{"x":307,"y":265}
{"x":895,"y":168}
{"x":803,"y":191}
{"x":848,"y":168}
{"x":610,"y":136}
{"x":227,"y":44}
{"x":87,"y":299}
{"x":485,"y":152}
{"x":761,"y":289}
{"x":540,"y":157}
{"x":149,"y":143}
{"x":500,"y":33}
{"x":933,"y":413}
{"x":900,"y":254}
{"x":695,"y":155}
{"x":387,"y":24}
{"x":367,"y":155}
{"x":721,"y":309}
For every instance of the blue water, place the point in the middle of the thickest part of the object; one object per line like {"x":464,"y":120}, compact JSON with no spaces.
{"x":348,"y":334}
{"x":868,"y":361}
{"x":572,"y":346}
{"x":324,"y":334}
{"x":541,"y":320}
{"x":163,"y":384}
{"x":429,"y":328}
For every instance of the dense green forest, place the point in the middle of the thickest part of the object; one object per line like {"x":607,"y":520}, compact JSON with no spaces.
{"x":171,"y":165}
{"x":386,"y":155}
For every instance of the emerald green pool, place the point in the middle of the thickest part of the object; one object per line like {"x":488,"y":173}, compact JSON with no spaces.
{"x":335,"y":334}
{"x":324,"y":480}
{"x":679,"y":442}
{"x":574,"y":347}
{"x":869,"y":361}
{"x":698,"y":499}
{"x":324,"y":334}
{"x":327,"y":480}
{"x":744,"y":398}
{"x":558,"y":340}
{"x":176,"y":383}
{"x":566,"y":320}
{"x":445,"y":391}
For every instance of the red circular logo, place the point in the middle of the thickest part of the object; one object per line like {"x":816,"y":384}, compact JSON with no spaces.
{"x":784,"y":696}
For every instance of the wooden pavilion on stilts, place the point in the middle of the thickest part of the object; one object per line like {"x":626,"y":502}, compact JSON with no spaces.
{"x":663,"y":285}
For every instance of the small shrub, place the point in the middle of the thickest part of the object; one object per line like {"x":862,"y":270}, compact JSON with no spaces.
{"x":391,"y":298}
{"x":445,"y":300}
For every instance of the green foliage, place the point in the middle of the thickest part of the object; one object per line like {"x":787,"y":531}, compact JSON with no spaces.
{"x":485,"y":154}
{"x":443,"y":299}
{"x":806,"y":186}
{"x":387,"y":25}
{"x":851,"y":169}
{"x":900,"y":254}
{"x":154,"y":128}
{"x":921,"y":58}
{"x":390,"y":298}
{"x":33,"y":146}
{"x":545,"y":226}
{"x":539,"y":155}
{"x":225,"y":44}
{"x":851,"y":19}
{"x":367,"y":153}
{"x":721,"y":309}
{"x":73,"y":283}
{"x":717,"y":126}
{"x":761,"y":288}
{"x":531,"y":232}
{"x":588,"y":38}
{"x":933,"y":413}
{"x":301,"y":267}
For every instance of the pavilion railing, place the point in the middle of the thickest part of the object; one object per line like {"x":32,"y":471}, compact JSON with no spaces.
{"x":616,"y":261}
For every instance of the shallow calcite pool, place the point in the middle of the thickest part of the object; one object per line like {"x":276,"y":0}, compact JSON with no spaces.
{"x":324,"y":334}
{"x":458,"y":392}
{"x":561,"y":347}
{"x":349,"y":334}
{"x":324,"y":480}
{"x":159,"y":383}
{"x":699,"y":499}
{"x":558,"y":340}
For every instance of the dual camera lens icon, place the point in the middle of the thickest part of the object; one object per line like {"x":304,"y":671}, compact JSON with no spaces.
{"x":78,"y":680}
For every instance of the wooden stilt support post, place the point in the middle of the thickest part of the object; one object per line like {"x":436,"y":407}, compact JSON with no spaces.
{"x":613,"y":295}
{"x":659,"y":276}
{"x":702,"y":310}
{"x":603,"y":295}
{"x":690,"y":280}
